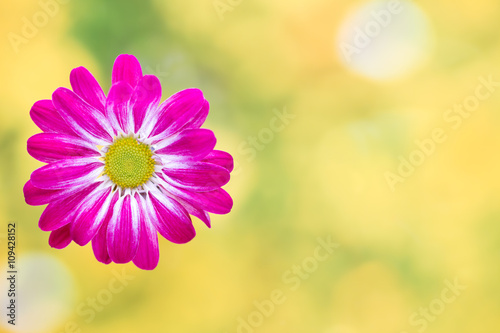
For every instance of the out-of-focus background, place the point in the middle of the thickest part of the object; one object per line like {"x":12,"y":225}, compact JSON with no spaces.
{"x":367,"y":187}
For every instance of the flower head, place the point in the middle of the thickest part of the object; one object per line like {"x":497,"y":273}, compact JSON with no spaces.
{"x":123,"y":168}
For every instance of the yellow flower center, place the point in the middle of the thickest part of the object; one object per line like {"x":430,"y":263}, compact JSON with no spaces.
{"x":129,"y":163}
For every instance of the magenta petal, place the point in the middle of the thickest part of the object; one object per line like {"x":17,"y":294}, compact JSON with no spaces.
{"x":90,"y":216}
{"x":172,"y":220}
{"x":86,"y":86}
{"x":118,"y":110}
{"x":196,"y":211}
{"x":221,"y":158}
{"x":100,"y":246}
{"x":84,"y":119}
{"x":148,"y":254}
{"x":217,"y":202}
{"x":60,"y":213}
{"x":126,"y":68}
{"x":35,"y":196}
{"x":99,"y":242}
{"x":45,"y":116}
{"x":201,"y":214}
{"x":67,"y":173}
{"x":199,"y":118}
{"x":123,"y":230}
{"x":183,"y":110}
{"x":145,"y":100}
{"x":50,"y":147}
{"x":196,"y":176}
{"x":190,"y":144}
{"x":60,"y":238}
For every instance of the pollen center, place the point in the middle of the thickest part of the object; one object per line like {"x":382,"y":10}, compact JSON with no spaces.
{"x":129,"y":163}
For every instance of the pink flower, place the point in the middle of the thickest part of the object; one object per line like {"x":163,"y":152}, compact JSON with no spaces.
{"x":123,"y":167}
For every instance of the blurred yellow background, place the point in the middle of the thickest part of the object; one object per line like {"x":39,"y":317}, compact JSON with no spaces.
{"x":366,"y":190}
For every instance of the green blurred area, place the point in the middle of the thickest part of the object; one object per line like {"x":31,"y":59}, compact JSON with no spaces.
{"x":322,"y":175}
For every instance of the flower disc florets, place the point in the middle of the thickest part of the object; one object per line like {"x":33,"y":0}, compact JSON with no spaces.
{"x":129,"y":163}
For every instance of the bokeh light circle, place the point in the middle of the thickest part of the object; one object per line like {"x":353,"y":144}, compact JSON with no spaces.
{"x":385,"y":40}
{"x":45,"y":294}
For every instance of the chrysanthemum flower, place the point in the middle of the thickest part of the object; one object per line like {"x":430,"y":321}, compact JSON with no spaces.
{"x":123,"y":168}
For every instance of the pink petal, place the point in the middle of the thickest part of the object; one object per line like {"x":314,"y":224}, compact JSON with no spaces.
{"x":196,"y":211}
{"x":201,"y":214}
{"x":145,"y":100}
{"x":123,"y":230}
{"x":35,"y":196}
{"x":183,"y":110}
{"x":45,"y":116}
{"x":86,"y":86}
{"x":126,"y":68}
{"x":190,"y":145}
{"x":99,"y":242}
{"x":50,"y":147}
{"x":67,"y":173}
{"x":148,"y":254}
{"x":170,"y":219}
{"x":60,"y":238}
{"x":100,"y":246}
{"x":90,"y":216}
{"x":196,"y":176}
{"x":83,"y":119}
{"x":217,"y":202}
{"x":118,"y":110}
{"x":60,"y":213}
{"x":221,"y":158}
